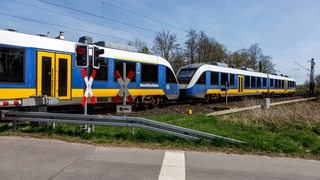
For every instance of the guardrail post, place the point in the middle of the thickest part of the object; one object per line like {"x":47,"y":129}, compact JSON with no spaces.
{"x":132,"y":131}
{"x":41,"y":106}
{"x":266,"y":103}
{"x":14,"y":125}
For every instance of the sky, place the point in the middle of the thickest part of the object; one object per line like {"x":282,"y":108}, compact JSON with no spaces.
{"x":286,"y":30}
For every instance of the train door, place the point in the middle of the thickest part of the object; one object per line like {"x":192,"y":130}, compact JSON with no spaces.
{"x":240,"y":84}
{"x":285,"y":86}
{"x":54,"y":75}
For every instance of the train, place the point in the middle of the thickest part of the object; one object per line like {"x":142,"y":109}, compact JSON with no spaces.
{"x":32,"y":65}
{"x":37,"y":65}
{"x":216,"y":80}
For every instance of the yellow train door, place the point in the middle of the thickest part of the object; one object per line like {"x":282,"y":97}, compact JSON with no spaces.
{"x":240,"y":84}
{"x":285,"y":86}
{"x":54,"y":74}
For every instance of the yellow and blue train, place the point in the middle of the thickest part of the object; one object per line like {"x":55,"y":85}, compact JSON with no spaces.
{"x":32,"y":65}
{"x":212,"y":81}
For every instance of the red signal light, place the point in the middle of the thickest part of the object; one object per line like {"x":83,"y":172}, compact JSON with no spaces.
{"x":80,"y":50}
{"x":81,"y":55}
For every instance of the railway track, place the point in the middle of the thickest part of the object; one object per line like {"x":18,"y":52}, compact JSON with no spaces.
{"x":205,"y":108}
{"x":175,"y":108}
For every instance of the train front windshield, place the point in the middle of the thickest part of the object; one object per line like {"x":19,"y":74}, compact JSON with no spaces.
{"x":184,"y":76}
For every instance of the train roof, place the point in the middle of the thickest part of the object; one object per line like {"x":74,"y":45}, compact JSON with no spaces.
{"x":33,"y":41}
{"x":11,"y":38}
{"x":208,"y":67}
{"x":134,"y":56}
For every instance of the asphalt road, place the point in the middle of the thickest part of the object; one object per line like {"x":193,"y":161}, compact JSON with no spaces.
{"x":28,"y":158}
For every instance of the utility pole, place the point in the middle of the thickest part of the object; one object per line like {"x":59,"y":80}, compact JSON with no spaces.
{"x":312,"y":84}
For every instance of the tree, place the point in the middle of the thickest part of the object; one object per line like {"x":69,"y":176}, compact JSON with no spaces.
{"x":209,"y":50}
{"x":191,"y":45}
{"x":239,"y":58}
{"x":251,"y":58}
{"x":177,"y":59}
{"x":317,"y":81}
{"x":140,"y":45}
{"x":164,"y":44}
{"x":218,"y":52}
{"x":145,"y":50}
{"x":203,"y":47}
{"x":266,"y":65}
{"x":255,"y":53}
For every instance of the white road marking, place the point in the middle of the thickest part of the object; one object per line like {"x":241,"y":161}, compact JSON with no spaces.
{"x":173,"y":166}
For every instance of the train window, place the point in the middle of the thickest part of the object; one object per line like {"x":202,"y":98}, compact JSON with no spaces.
{"x":247,"y":81}
{"x":63,"y":73}
{"x":253,"y":82}
{"x":102,"y":72}
{"x":271,"y":82}
{"x":202,"y":79}
{"x":224,"y":78}
{"x":130,"y":66}
{"x":214,"y":80}
{"x":170,"y":77}
{"x":258,"y":82}
{"x":185,"y":75}
{"x":277,"y":83}
{"x":291,"y":84}
{"x":264,"y":82}
{"x":149,"y":73}
{"x":232,"y":79}
{"x":12,"y":65}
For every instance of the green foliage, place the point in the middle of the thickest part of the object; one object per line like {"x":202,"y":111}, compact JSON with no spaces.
{"x":283,"y":133}
{"x":4,"y":127}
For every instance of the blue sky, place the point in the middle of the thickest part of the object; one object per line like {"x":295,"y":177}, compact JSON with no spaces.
{"x":287,"y":30}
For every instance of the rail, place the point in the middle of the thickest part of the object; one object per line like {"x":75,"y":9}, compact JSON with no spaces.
{"x":121,"y":121}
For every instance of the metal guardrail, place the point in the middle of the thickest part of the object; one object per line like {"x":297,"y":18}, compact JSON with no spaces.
{"x":136,"y":122}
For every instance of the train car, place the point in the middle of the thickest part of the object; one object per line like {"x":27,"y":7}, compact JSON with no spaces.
{"x":32,"y":65}
{"x":211,"y":81}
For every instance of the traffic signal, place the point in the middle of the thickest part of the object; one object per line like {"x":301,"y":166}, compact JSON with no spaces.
{"x":82,"y":55}
{"x":96,"y":60}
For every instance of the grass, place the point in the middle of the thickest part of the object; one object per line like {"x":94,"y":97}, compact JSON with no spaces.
{"x":288,"y":130}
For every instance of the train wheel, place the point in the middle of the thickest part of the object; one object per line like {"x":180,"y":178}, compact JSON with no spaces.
{"x":154,"y":101}
{"x":206,"y":99}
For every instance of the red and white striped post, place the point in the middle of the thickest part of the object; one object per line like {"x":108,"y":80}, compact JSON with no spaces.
{"x":123,"y":87}
{"x":88,"y":83}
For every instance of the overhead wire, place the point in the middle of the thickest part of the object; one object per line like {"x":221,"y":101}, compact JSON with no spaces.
{"x":141,"y":15}
{"x":103,"y":17}
{"x":98,"y":16}
{"x":74,"y":17}
{"x":95,"y":15}
{"x":57,"y":25}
